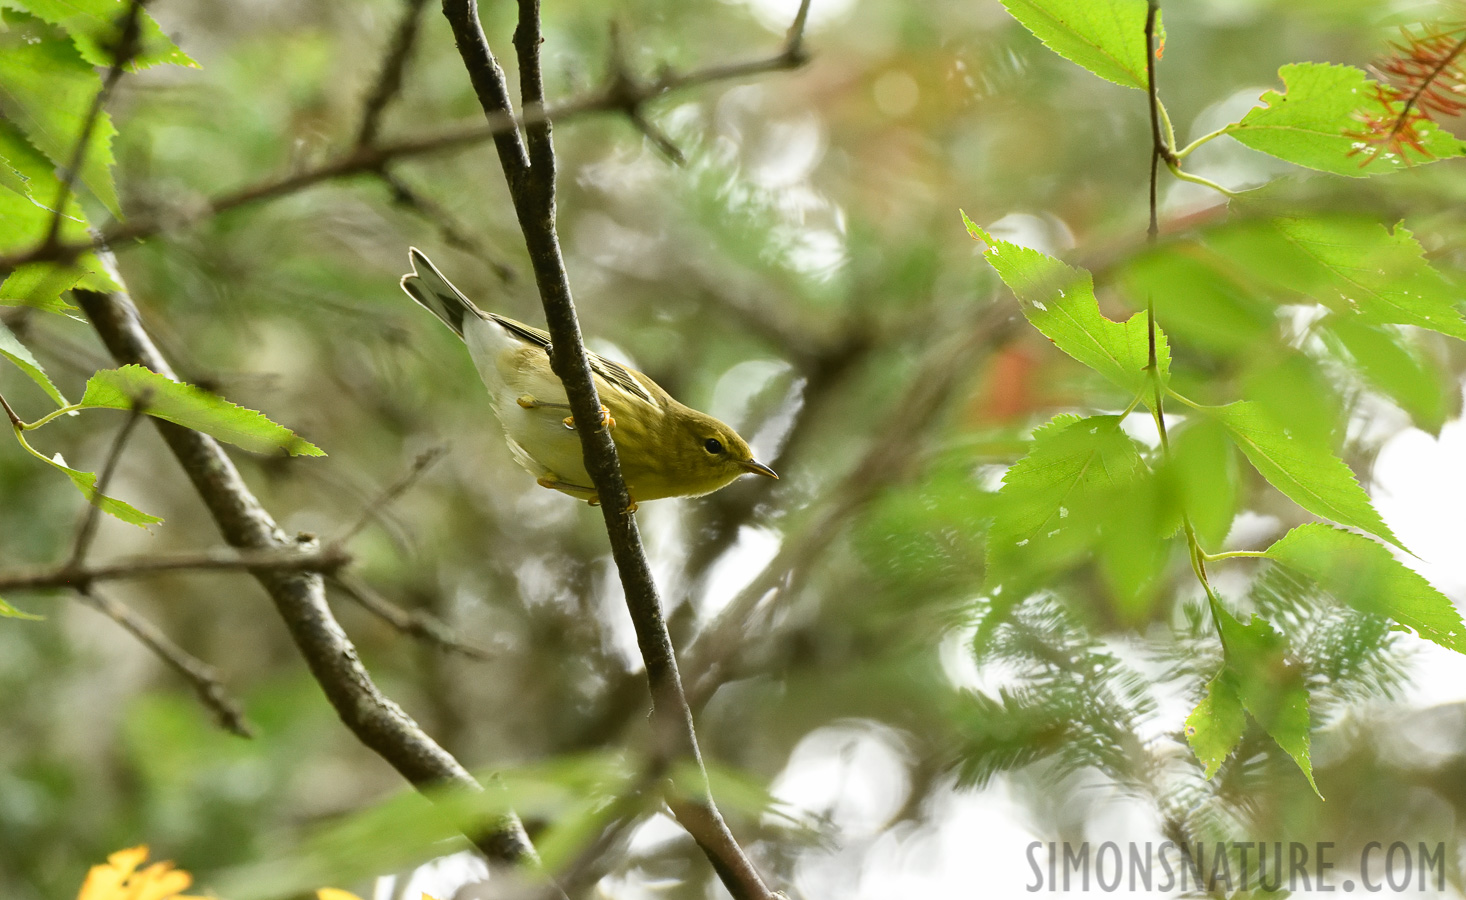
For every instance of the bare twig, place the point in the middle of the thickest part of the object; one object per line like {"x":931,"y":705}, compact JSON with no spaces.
{"x":361,"y":160}
{"x":415,"y":623}
{"x":204,"y":677}
{"x":122,"y":54}
{"x":389,"y":78}
{"x":420,"y":465}
{"x":87,"y":530}
{"x":453,"y":232}
{"x":298,"y":596}
{"x":1159,"y":151}
{"x":72,"y":574}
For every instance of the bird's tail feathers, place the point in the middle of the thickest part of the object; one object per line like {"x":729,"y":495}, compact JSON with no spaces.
{"x":427,"y":286}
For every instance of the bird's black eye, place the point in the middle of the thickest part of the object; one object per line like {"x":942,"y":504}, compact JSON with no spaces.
{"x":713,"y":445}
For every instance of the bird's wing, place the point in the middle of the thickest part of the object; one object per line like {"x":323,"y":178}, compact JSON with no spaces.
{"x":613,"y":372}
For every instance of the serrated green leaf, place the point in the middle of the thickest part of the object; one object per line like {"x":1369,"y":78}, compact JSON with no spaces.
{"x":1353,"y":265}
{"x":1389,"y":362}
{"x":1059,"y":301}
{"x":12,"y":349}
{"x":95,"y":27}
{"x":9,"y":612}
{"x":1366,"y":576}
{"x":47,"y":89}
{"x":1042,"y":513}
{"x":1107,"y":37}
{"x":11,"y":179}
{"x":1268,"y":684}
{"x":1309,"y":474}
{"x":1215,"y":727}
{"x":1311,"y":122}
{"x":86,"y":482}
{"x":191,"y":407}
{"x":40,"y":286}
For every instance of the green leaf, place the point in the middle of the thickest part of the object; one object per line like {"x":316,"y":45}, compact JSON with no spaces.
{"x":1316,"y":120}
{"x":1390,"y":362}
{"x":1204,"y":465}
{"x":40,"y":286}
{"x":1041,"y":511}
{"x":11,"y":179}
{"x":1366,"y":576}
{"x":86,"y":482}
{"x":191,"y":407}
{"x":1353,"y":265}
{"x":1268,"y":684}
{"x":1215,"y":727}
{"x":95,"y":27}
{"x":12,"y":349}
{"x":47,"y":89}
{"x":1059,"y":301}
{"x":1308,"y":473}
{"x":1137,"y":522}
{"x":9,"y":612}
{"x":1198,"y":299}
{"x":1107,"y":37}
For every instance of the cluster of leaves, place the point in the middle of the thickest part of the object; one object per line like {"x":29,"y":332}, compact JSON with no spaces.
{"x":49,"y":100}
{"x":1088,"y":489}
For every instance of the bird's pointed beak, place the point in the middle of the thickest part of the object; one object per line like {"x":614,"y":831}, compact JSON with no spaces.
{"x":759,"y":468}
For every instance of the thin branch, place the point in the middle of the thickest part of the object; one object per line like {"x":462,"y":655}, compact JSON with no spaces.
{"x":529,"y":168}
{"x":298,"y":596}
{"x":204,"y":677}
{"x":501,"y":126}
{"x":454,"y":233}
{"x":424,"y":461}
{"x":87,"y":530}
{"x":389,"y":78}
{"x":73,"y":575}
{"x":1158,"y":150}
{"x":414,"y":623}
{"x":122,"y":54}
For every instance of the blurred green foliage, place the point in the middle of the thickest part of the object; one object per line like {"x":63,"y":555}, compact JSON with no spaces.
{"x":1008,"y":592}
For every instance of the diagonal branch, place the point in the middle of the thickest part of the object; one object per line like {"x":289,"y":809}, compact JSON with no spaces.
{"x":298,"y":596}
{"x":204,"y":677}
{"x":529,"y":167}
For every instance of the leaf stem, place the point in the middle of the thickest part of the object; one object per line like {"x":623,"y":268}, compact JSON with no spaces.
{"x":1237,"y":554}
{"x":31,"y":426}
{"x":1178,"y":172}
{"x":1210,"y":136}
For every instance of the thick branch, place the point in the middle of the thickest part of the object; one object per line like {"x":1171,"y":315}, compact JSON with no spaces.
{"x":299,"y":596}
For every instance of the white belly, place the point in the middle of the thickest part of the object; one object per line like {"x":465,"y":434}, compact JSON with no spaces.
{"x":538,"y":437}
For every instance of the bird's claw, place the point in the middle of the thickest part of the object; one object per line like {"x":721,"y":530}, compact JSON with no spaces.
{"x":606,"y":421}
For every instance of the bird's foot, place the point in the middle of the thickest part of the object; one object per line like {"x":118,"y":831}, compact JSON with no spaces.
{"x":552,"y":481}
{"x":606,"y":421}
{"x":528,"y":401}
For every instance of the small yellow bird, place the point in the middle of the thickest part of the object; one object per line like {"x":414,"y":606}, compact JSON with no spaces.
{"x":666,"y":449}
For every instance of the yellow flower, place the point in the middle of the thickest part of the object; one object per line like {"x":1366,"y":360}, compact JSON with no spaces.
{"x":666,"y":449}
{"x":120,"y":879}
